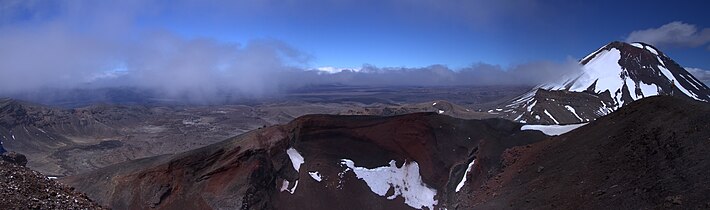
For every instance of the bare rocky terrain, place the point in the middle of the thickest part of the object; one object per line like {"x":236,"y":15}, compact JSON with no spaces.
{"x":60,"y":140}
{"x":649,"y":154}
{"x":335,"y":149}
{"x":23,"y":188}
{"x":261,"y":170}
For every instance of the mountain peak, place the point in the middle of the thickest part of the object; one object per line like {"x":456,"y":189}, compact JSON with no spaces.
{"x":616,"y":74}
{"x":630,"y":71}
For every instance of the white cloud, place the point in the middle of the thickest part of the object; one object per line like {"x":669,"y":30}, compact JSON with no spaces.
{"x":677,"y":34}
{"x":701,"y":74}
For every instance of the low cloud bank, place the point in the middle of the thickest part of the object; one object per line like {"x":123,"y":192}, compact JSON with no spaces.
{"x":56,"y":48}
{"x":202,"y":69}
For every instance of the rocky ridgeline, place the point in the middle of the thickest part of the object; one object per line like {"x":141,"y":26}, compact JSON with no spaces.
{"x":23,"y":188}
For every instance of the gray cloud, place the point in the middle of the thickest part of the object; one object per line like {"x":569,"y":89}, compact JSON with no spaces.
{"x":58,"y":48}
{"x":701,"y":74}
{"x":676,"y":34}
{"x":480,"y":74}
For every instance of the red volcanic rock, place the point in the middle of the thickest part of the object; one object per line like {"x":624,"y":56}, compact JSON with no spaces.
{"x":428,"y":151}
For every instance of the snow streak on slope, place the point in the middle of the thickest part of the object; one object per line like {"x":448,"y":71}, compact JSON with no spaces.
{"x":568,"y":107}
{"x":550,"y":116}
{"x":463,"y":180}
{"x":406,"y":182}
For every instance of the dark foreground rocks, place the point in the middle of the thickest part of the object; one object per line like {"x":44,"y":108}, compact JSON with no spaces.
{"x":652,"y":154}
{"x":23,"y":188}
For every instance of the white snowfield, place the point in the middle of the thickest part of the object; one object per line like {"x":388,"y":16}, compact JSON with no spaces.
{"x":604,"y":70}
{"x":406,"y":182}
{"x":552,"y":130}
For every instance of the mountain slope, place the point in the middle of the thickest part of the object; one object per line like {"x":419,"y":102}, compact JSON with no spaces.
{"x":43,"y":133}
{"x":613,"y":76}
{"x":651,"y":154}
{"x":317,"y":162}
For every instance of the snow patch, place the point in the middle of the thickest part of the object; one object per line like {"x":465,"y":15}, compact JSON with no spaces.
{"x":440,"y":111}
{"x":648,"y":90}
{"x":552,"y":130}
{"x":315,"y":175}
{"x":603,"y":110}
{"x":637,"y":45}
{"x":689,"y":81}
{"x":652,"y":50}
{"x":531,"y":106}
{"x":549,"y":115}
{"x":284,"y":186}
{"x":568,"y":107}
{"x":660,"y":61}
{"x":463,"y":180}
{"x":406,"y":182}
{"x":296,"y":158}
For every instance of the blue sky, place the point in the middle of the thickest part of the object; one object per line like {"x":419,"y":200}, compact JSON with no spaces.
{"x":453,"y":33}
{"x":254,"y":46}
{"x":400,"y":33}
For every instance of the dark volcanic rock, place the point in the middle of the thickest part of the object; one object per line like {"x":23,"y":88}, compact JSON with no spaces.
{"x":22,"y":188}
{"x":651,"y":154}
{"x":256,"y":170}
{"x":14,"y":158}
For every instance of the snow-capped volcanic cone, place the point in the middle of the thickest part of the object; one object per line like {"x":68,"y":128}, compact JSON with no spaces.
{"x":613,"y":76}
